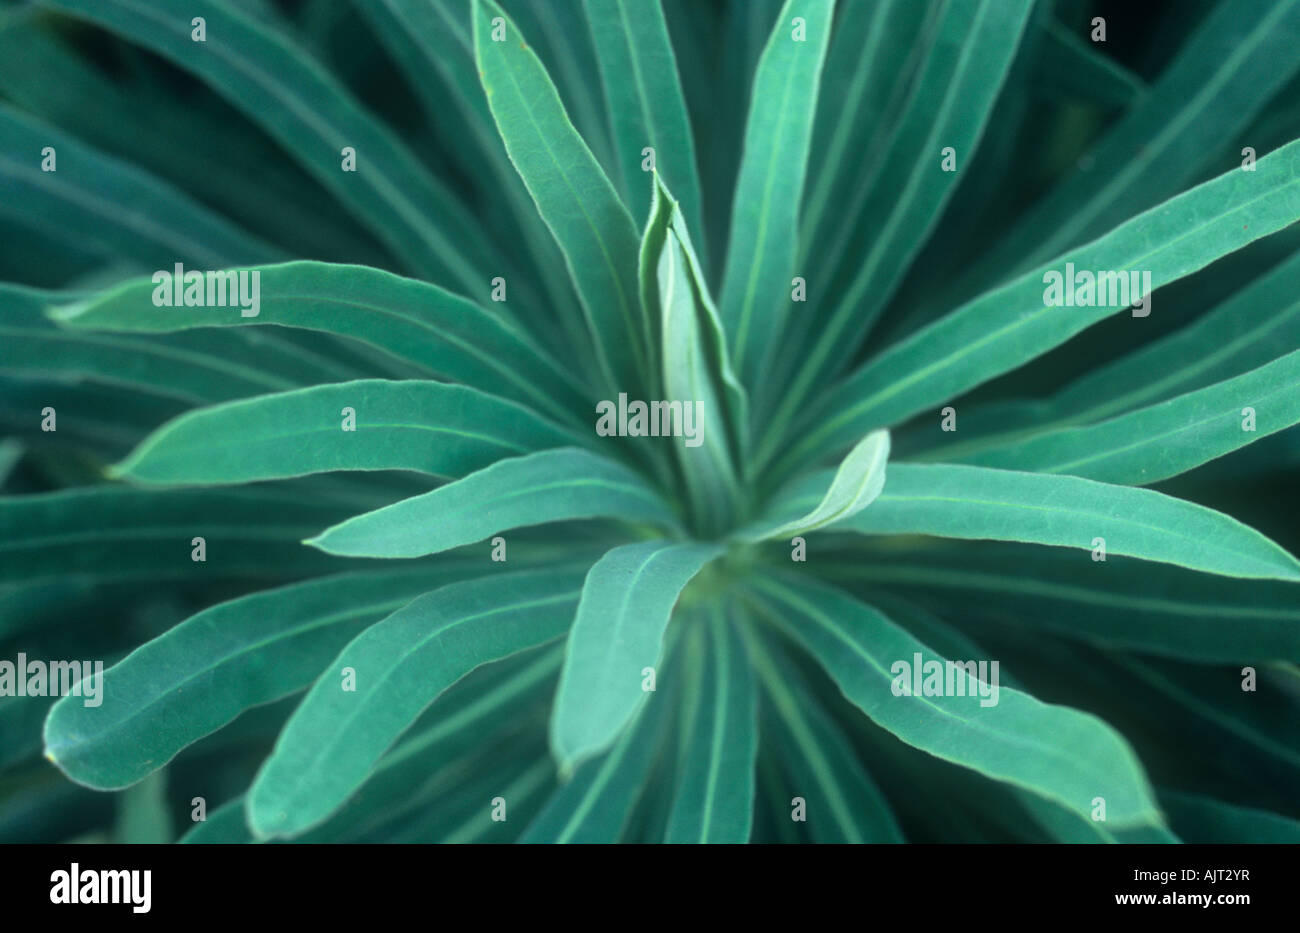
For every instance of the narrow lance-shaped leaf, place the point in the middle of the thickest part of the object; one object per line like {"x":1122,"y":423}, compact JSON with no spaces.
{"x":974,"y":46}
{"x":856,"y":484}
{"x":1059,"y":753}
{"x":1242,"y":333}
{"x":1202,"y":819}
{"x":577,"y":201}
{"x":1007,"y":327}
{"x":397,"y":668}
{"x":551,"y":486}
{"x":714,"y":800}
{"x":98,"y":532}
{"x":870,"y":64}
{"x":432,"y":427}
{"x":645,"y":101}
{"x":1164,"y":440}
{"x":562,"y":39}
{"x":1155,"y":608}
{"x":39,"y":350}
{"x":111,"y":206}
{"x":843,"y":804}
{"x":200,"y":675}
{"x":513,"y":691}
{"x":764,"y":220}
{"x":594,"y":804}
{"x":706,"y":324}
{"x":434,"y":38}
{"x":1237,"y":59}
{"x":957,"y":501}
{"x":297,"y":102}
{"x":148,"y":124}
{"x":405,"y":318}
{"x":627,"y":600}
{"x":693,"y":383}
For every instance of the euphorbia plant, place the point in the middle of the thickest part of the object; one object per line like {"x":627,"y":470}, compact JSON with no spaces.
{"x":617,"y":543}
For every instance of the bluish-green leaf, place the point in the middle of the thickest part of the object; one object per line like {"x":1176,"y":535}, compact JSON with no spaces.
{"x":645,"y":101}
{"x":765,"y":213}
{"x":203,"y":673}
{"x":301,"y":105}
{"x":1155,"y":443}
{"x":432,"y":427}
{"x":1054,"y":751}
{"x":957,"y":501}
{"x":577,"y":201}
{"x":714,"y":799}
{"x":1011,"y":325}
{"x":111,"y":206}
{"x":400,"y":666}
{"x":405,"y":318}
{"x":1223,"y":76}
{"x":857,"y":483}
{"x":974,"y":44}
{"x":595,"y":804}
{"x":116,"y":533}
{"x":817,"y":763}
{"x":551,"y":486}
{"x":627,"y":600}
{"x":1156,"y":608}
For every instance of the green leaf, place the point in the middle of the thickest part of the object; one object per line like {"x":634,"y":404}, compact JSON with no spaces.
{"x":974,"y":44}
{"x":714,"y":800}
{"x":956,"y":501}
{"x":1247,"y":331}
{"x":299,"y":104}
{"x":1155,"y":608}
{"x":99,"y":532}
{"x":433,"y":38}
{"x":143,"y":817}
{"x":627,"y":600}
{"x":765,"y":213}
{"x":1011,"y":325}
{"x":563,"y":43}
{"x":576,"y":200}
{"x":645,"y":101}
{"x":407,"y":319}
{"x":200,"y":675}
{"x":201,"y":365}
{"x":1223,"y":76}
{"x":857,"y":483}
{"x":1054,"y":751}
{"x":516,"y":770}
{"x":157,"y":127}
{"x":1201,"y":819}
{"x":705,"y":325}
{"x":551,"y":486}
{"x":515,"y":691}
{"x":1164,"y":440}
{"x":1067,"y":826}
{"x":1262,"y":722}
{"x":867,"y":74}
{"x":432,"y":427}
{"x":843,"y":804}
{"x":401,"y":665}
{"x":692,"y":378}
{"x":111,"y":206}
{"x":595,"y":804}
